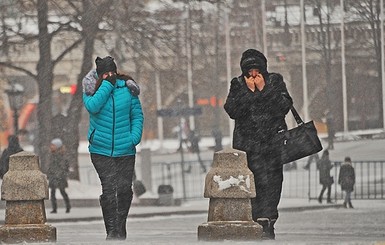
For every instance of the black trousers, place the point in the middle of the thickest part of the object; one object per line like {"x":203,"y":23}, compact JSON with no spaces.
{"x":64,"y":195}
{"x":268,"y":178}
{"x":324,"y":187}
{"x":115,"y":174}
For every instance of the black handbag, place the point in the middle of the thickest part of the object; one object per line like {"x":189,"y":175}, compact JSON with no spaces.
{"x":297,"y":142}
{"x":138,"y":188}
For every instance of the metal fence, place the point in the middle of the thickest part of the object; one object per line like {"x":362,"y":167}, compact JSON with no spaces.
{"x":186,"y":184}
{"x":298,"y":182}
{"x":369,"y":180}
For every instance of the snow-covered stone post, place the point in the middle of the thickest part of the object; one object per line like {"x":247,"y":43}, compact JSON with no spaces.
{"x":229,"y":184}
{"x":24,"y":189}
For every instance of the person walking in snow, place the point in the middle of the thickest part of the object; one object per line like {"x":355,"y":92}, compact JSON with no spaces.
{"x":58,"y":171}
{"x":258,"y":101}
{"x":13,"y":148}
{"x":326,"y":180}
{"x":347,"y":179}
{"x":116,"y":126}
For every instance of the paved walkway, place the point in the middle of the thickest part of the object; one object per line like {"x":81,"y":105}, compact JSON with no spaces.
{"x":199,"y":206}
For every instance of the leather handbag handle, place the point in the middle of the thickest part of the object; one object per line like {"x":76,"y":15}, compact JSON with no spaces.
{"x":297,"y":117}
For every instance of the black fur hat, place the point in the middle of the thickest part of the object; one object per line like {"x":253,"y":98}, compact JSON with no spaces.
{"x":104,"y":65}
{"x":253,"y":59}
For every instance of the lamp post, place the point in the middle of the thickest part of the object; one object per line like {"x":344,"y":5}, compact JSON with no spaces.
{"x":15,"y":95}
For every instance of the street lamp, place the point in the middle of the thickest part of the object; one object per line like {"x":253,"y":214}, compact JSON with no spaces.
{"x":15,"y":95}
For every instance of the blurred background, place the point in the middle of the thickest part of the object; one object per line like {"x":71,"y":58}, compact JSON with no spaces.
{"x":183,"y":55}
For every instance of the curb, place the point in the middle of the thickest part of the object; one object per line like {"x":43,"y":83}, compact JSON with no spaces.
{"x":134,"y":216}
{"x":309,"y":208}
{"x":182,"y":212}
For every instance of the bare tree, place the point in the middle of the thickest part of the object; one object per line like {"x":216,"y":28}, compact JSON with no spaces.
{"x":367,"y":14}
{"x":37,"y":12}
{"x":323,"y":11}
{"x":90,"y":16}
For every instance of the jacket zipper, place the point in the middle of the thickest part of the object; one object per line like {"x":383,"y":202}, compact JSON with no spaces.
{"x":113,"y":125}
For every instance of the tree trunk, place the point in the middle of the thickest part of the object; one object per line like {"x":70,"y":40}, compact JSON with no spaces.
{"x":75,"y":109}
{"x":44,"y":79}
{"x":90,"y":21}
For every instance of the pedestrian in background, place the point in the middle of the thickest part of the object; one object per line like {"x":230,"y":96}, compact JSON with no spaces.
{"x":13,"y":148}
{"x":183,"y":131}
{"x":116,"y":126}
{"x":57,"y":174}
{"x":258,"y":101}
{"x":347,"y":179}
{"x":194,"y":141}
{"x":324,"y":167}
{"x":217,"y":134}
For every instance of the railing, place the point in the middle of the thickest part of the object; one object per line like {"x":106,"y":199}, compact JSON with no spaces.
{"x":172,"y":174}
{"x":369,"y":180}
{"x":295,"y":180}
{"x":298,"y":182}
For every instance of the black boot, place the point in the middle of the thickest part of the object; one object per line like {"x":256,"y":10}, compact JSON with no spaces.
{"x":350,"y":204}
{"x":124,"y":204}
{"x":320,"y":199}
{"x":267,"y":228}
{"x":271,"y":229}
{"x":109,"y":216}
{"x":54,"y":206}
{"x":66,"y":201}
{"x":53,"y":202}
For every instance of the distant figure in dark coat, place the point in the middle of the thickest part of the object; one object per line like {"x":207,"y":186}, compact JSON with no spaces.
{"x":57,"y":174}
{"x":13,"y":148}
{"x":324,"y":166}
{"x":347,"y":179}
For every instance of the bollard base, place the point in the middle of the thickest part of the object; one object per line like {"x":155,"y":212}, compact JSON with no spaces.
{"x":27,"y":233}
{"x":229,"y":230}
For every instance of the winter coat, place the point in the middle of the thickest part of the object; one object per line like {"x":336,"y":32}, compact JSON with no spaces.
{"x":58,"y":170}
{"x":324,"y":166}
{"x":347,"y":177}
{"x":258,"y":115}
{"x":13,"y":148}
{"x":116,"y":120}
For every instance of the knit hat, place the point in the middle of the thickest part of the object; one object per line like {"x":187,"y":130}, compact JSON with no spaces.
{"x":253,"y":59}
{"x":57,"y":142}
{"x":104,"y":65}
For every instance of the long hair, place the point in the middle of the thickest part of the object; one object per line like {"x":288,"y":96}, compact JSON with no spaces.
{"x":120,"y":76}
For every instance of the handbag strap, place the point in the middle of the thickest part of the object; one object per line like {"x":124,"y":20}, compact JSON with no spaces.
{"x":297,"y":117}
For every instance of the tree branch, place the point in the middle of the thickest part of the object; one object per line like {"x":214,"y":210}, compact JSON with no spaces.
{"x":17,"y":68}
{"x":66,"y":51}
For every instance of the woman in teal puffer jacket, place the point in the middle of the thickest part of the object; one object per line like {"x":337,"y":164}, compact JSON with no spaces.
{"x":116,"y":125}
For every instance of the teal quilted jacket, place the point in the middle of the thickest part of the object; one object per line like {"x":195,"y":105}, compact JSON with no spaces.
{"x":116,"y":120}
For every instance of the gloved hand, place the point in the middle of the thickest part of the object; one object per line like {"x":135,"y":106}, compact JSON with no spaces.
{"x":111,"y":77}
{"x":133,"y":87}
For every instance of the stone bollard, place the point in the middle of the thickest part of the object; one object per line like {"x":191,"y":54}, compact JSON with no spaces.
{"x":24,"y":189}
{"x":229,"y":184}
